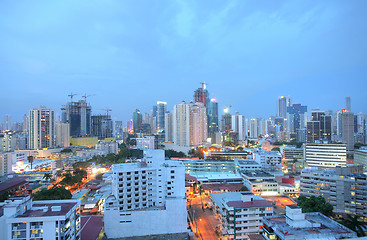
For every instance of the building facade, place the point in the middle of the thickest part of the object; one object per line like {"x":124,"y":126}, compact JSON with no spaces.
{"x":325,"y":155}
{"x":41,"y":128}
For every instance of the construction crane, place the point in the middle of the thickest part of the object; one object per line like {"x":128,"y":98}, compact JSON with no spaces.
{"x":107,"y":110}
{"x":203,"y":84}
{"x":71,"y":95}
{"x":86,"y":96}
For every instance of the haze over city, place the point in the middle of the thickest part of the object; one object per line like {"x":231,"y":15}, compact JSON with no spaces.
{"x":130,"y":55}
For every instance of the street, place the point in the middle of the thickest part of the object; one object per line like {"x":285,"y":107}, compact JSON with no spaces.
{"x":204,"y":222}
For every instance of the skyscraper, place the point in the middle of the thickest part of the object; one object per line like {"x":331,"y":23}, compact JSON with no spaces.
{"x":348,"y":104}
{"x":41,"y":128}
{"x":8,"y":123}
{"x":239,"y":126}
{"x":62,"y":135}
{"x":78,"y":115}
{"x":189,"y":124}
{"x":169,"y":127}
{"x":319,"y":128}
{"x":201,"y":95}
{"x":296,"y":117}
{"x":348,"y":130}
{"x":282,"y":104}
{"x":161,"y":111}
{"x":102,"y":126}
{"x":212,"y":113}
{"x":137,"y":120}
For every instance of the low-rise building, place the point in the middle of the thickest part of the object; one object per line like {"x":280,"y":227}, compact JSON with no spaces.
{"x":346,"y":191}
{"x":295,"y":225}
{"x":201,"y":165}
{"x":260,"y":182}
{"x":22,"y":218}
{"x":240,"y":213}
{"x":269,"y":160}
{"x":146,"y":142}
{"x":248,"y":165}
{"x":108,"y":147}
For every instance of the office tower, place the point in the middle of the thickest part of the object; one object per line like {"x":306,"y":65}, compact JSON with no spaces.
{"x":102,"y":126}
{"x":161,"y":111}
{"x":360,"y":157}
{"x":226,"y":120}
{"x":8,"y":141}
{"x":313,"y":131}
{"x":212,"y":115}
{"x":282,"y":104}
{"x":118,"y":130}
{"x":148,"y":198}
{"x":361,"y":119}
{"x":25,"y":219}
{"x":348,"y":130}
{"x":348,"y":104}
{"x":62,"y":134}
{"x":201,"y":95}
{"x":260,"y":126}
{"x":189,"y":124}
{"x":325,"y":155}
{"x":169,"y":127}
{"x":345,"y":190}
{"x":78,"y":115}
{"x":41,"y":128}
{"x":253,"y":128}
{"x":8,"y":123}
{"x":296,"y":117}
{"x":137,"y":120}
{"x":239,"y":126}
{"x":319,"y":128}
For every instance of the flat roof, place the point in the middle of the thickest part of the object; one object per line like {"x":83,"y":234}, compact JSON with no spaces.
{"x":250,"y":204}
{"x":328,"y":226}
{"x":222,"y":186}
{"x":256,"y":173}
{"x":34,"y":212}
{"x":91,"y":226}
{"x":12,"y":183}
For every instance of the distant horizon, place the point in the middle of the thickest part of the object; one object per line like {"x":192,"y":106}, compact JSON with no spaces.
{"x":131,"y":56}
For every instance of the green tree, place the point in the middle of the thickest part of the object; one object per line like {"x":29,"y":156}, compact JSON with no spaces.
{"x":275,"y":149}
{"x":353,"y":222}
{"x":58,"y":193}
{"x":315,"y":204}
{"x":172,"y":153}
{"x":47,"y":176}
{"x":4,"y":196}
{"x":243,"y":189}
{"x":66,"y":150}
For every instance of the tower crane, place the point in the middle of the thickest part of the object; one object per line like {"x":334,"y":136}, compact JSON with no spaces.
{"x":85,"y":96}
{"x":71,"y":95}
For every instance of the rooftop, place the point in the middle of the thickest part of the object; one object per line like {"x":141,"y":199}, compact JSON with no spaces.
{"x":12,"y":183}
{"x":231,"y":187}
{"x":256,"y":173}
{"x":251,"y":204}
{"x":91,"y":226}
{"x":37,"y":209}
{"x":328,"y":227}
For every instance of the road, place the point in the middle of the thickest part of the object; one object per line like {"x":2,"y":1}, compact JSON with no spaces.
{"x":205,"y":220}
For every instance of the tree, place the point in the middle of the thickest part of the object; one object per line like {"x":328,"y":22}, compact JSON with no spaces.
{"x":47,"y":176}
{"x":58,"y":193}
{"x":243,"y":188}
{"x":4,"y":196}
{"x":275,"y":149}
{"x":315,"y":204}
{"x":172,"y":153}
{"x":353,"y":222}
{"x":240,"y":149}
{"x":66,"y":150}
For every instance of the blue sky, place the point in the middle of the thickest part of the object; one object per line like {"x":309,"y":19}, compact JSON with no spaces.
{"x":133,"y":53}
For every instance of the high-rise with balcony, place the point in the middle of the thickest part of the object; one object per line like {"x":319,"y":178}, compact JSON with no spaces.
{"x":148,"y":198}
{"x":41,"y":128}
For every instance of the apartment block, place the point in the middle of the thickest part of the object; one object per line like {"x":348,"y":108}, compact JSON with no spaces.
{"x":346,"y":191}
{"x":360,"y":157}
{"x":326,"y":156}
{"x":260,"y":182}
{"x":150,"y":193}
{"x":22,"y":218}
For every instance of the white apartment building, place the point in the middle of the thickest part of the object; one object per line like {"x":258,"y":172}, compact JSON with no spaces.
{"x":22,"y":218}
{"x":146,"y":142}
{"x":240,"y":213}
{"x":148,"y":198}
{"x":41,"y":128}
{"x":62,"y":131}
{"x":344,"y":190}
{"x":326,"y":155}
{"x":189,"y":124}
{"x":8,"y":159}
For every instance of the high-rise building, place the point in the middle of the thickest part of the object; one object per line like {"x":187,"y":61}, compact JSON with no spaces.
{"x":253,"y":128}
{"x":348,"y":104}
{"x":102,"y":126}
{"x":137,"y":120}
{"x":41,"y":128}
{"x":319,"y":128}
{"x":149,"y":193}
{"x":296,"y":117}
{"x":62,"y":134}
{"x":25,"y":123}
{"x":239,"y":126}
{"x":189,"y":124}
{"x":226,"y":120}
{"x":161,"y":111}
{"x":348,"y":130}
{"x":169,"y":127}
{"x":78,"y":115}
{"x":212,"y":113}
{"x":282,"y":104}
{"x":201,"y":95}
{"x":118,"y":130}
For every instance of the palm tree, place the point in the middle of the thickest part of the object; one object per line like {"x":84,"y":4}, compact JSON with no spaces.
{"x":352,"y":222}
{"x":200,"y":188}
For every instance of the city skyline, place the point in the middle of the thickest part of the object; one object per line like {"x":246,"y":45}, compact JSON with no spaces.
{"x":131,"y":57}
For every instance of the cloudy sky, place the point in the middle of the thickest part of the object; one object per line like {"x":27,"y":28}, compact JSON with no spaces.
{"x":132,"y":53}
